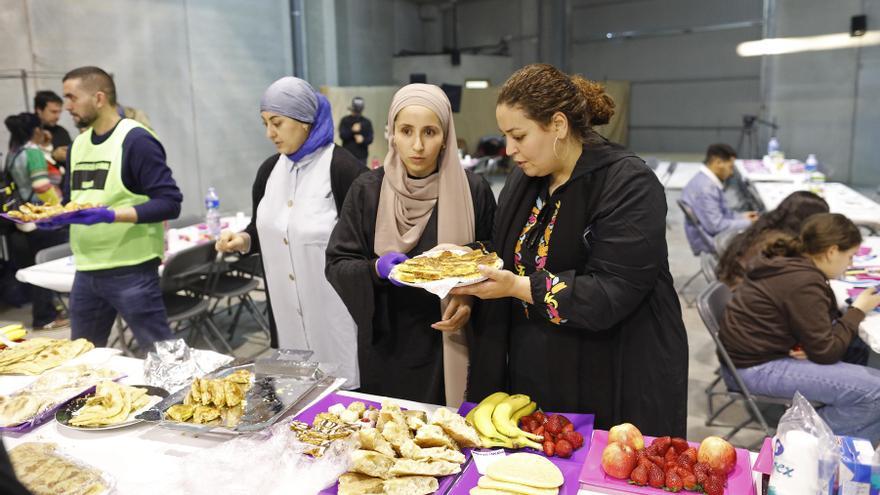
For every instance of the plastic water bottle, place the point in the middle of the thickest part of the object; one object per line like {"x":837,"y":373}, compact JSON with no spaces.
{"x":773,"y":146}
{"x":812,"y":164}
{"x":212,"y":217}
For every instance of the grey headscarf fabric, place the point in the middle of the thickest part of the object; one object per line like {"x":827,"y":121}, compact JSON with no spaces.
{"x":292,"y":97}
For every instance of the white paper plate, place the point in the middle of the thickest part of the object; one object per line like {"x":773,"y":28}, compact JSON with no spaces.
{"x":459,"y":281}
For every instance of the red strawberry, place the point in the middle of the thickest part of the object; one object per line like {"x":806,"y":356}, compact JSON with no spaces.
{"x":554,"y":424}
{"x":568,"y":427}
{"x":656,"y":459}
{"x":680,"y":444}
{"x":662,"y":444}
{"x":528,"y":424}
{"x":656,"y":478}
{"x":671,"y":456}
{"x":689,"y":481}
{"x":539,"y":417}
{"x":652,"y":450}
{"x":549,"y":448}
{"x":577,"y":440}
{"x":564,"y":420}
{"x":692,"y":454}
{"x":673,"y":481}
{"x":686,"y":461}
{"x":701,"y":471}
{"x":639,"y":475}
{"x":564,"y":449}
{"x":539,"y":430}
{"x":713,"y":486}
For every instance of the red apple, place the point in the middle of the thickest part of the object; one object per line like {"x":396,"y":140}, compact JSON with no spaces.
{"x":718,"y":454}
{"x":618,"y":460}
{"x":627,"y":434}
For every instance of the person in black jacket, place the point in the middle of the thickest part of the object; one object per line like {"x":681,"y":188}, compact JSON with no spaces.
{"x":296,"y":199}
{"x":410,"y":343}
{"x":583,"y":317}
{"x":356,"y":131}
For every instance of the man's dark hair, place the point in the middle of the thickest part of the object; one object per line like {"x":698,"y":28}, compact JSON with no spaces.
{"x":44,"y":97}
{"x":95,"y":79}
{"x":719,"y":150}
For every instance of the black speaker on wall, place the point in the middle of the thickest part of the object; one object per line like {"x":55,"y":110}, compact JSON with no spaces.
{"x":418,"y":78}
{"x":456,"y":57}
{"x":453,"y":92}
{"x":858,"y":25}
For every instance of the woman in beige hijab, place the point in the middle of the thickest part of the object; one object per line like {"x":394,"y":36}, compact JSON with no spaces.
{"x":408,"y":347}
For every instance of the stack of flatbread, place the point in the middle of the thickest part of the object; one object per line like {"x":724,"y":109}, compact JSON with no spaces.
{"x":43,"y":471}
{"x":111,"y":404}
{"x":447,"y":264}
{"x":35,"y":356}
{"x":50,"y":389}
{"x":218,"y":401}
{"x":521,"y":474}
{"x":30,"y":212}
{"x":404,"y":453}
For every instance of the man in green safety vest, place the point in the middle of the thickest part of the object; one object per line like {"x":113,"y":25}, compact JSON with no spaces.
{"x":119,"y":163}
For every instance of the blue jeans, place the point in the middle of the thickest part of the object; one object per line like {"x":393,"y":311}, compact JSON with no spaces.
{"x":850,"y":392}
{"x":133,"y":293}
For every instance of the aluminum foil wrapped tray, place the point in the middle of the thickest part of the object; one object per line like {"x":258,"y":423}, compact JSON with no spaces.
{"x":277,"y":383}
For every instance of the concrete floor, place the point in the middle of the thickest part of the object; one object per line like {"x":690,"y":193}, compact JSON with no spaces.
{"x":248,"y":341}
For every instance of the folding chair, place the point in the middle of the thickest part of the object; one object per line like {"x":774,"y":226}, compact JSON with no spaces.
{"x":691,"y":217}
{"x":711,"y":304}
{"x":708,"y":262}
{"x":54,"y":253}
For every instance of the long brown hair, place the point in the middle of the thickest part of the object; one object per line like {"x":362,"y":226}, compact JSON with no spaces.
{"x":542,"y":90}
{"x":819,"y":233}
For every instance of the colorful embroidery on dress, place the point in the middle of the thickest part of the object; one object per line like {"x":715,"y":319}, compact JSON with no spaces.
{"x":543,"y":250}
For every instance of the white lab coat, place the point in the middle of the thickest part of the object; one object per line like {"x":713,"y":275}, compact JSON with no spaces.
{"x":294,"y":222}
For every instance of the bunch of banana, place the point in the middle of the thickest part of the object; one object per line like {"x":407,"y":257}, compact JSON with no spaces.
{"x":14,"y":332}
{"x":496,"y":419}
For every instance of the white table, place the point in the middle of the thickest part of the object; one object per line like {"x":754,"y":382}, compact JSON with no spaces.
{"x":684,"y":172}
{"x":760,"y":171}
{"x":869,"y":330}
{"x":840,"y":197}
{"x":58,"y":274}
{"x":144,"y":458}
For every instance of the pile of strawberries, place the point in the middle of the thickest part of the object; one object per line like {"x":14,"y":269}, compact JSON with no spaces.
{"x":671,"y":463}
{"x":560,"y":439}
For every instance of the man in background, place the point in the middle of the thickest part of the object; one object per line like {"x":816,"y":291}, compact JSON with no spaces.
{"x":705,"y":195}
{"x":47,"y":106}
{"x":356,"y":130}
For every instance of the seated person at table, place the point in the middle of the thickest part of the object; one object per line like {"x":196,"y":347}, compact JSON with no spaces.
{"x":786,"y":220}
{"x":705,"y":195}
{"x":785,"y":333}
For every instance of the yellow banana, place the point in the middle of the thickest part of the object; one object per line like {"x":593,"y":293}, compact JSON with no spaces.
{"x":525,"y":411}
{"x":16,"y":334}
{"x":11,"y":328}
{"x":503,"y":413}
{"x":469,"y":419}
{"x":494,"y":442}
{"x":520,"y":442}
{"x":483,"y":415}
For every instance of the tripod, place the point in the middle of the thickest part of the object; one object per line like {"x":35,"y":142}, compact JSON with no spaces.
{"x":749,"y":135}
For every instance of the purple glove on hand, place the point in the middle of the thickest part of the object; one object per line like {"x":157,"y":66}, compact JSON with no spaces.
{"x":88,"y":216}
{"x":386,"y":262}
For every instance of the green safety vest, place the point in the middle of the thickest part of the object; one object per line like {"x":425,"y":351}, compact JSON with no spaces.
{"x":96,"y":177}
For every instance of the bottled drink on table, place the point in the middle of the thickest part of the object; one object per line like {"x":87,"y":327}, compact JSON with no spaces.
{"x":212,"y":215}
{"x":812,"y":164}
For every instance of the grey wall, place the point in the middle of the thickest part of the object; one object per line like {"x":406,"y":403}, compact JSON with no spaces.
{"x":196,"y":67}
{"x":688,"y":89}
{"x":827,"y":102}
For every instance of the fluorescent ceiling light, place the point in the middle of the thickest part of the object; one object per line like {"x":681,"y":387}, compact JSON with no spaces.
{"x":476,"y":84}
{"x":779,"y":46}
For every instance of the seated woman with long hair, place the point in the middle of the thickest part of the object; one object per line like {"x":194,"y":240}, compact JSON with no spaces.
{"x":784,"y":221}
{"x":785,"y":303}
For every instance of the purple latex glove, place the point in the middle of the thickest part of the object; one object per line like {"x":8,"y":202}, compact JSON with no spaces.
{"x":387,"y":261}
{"x":88,"y":216}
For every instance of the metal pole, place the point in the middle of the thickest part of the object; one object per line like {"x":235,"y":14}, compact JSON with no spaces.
{"x":24,"y":88}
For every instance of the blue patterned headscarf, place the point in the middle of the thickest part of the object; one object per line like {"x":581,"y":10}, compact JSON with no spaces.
{"x":292,"y":97}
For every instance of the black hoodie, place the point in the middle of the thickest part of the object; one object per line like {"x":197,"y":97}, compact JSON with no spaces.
{"x":781,"y":303}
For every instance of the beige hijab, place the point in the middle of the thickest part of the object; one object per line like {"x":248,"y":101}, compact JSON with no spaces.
{"x":406,"y":204}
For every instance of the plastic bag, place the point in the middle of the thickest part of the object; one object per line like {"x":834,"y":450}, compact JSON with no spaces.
{"x":805,"y":452}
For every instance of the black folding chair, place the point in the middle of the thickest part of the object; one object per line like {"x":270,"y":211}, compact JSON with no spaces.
{"x":691,"y":217}
{"x":708,"y":262}
{"x":711,"y":304}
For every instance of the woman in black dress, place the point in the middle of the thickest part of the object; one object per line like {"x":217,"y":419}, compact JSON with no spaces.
{"x":584,"y":316}
{"x":420,"y":198}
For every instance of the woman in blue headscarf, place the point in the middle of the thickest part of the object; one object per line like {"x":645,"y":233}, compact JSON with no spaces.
{"x":296,"y":198}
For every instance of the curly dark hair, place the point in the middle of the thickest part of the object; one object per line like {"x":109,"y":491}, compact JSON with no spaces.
{"x":21,"y":128}
{"x":786,"y":219}
{"x":542,"y":90}
{"x":819,"y":233}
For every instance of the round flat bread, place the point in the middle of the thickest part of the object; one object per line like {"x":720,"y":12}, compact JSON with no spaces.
{"x":487,"y":491}
{"x":492,"y":484}
{"x":526,"y":469}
